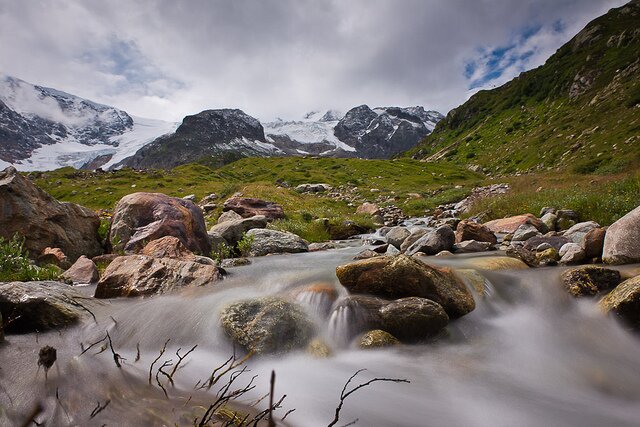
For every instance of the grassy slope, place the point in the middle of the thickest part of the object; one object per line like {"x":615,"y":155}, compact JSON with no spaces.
{"x":256,"y":177}
{"x":531,"y":123}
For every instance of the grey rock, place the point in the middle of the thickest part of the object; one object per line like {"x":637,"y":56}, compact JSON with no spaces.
{"x":397,"y":235}
{"x":622,"y":240}
{"x":577,"y":232}
{"x":83,"y":271}
{"x":413,"y":319}
{"x":415,"y":235}
{"x":571,"y":253}
{"x":440,"y":239}
{"x":40,"y":306}
{"x":550,"y":220}
{"x":267,"y":241}
{"x":524,"y":233}
{"x":471,"y":246}
{"x":232,"y":230}
{"x":229,"y":216}
{"x":543,"y":247}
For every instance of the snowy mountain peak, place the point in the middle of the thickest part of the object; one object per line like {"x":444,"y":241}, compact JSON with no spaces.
{"x":44,"y":128}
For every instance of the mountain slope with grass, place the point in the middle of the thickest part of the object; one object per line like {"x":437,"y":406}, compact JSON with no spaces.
{"x":578,"y":112}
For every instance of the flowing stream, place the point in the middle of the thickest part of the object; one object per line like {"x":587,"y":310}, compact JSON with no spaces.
{"x":528,"y":355}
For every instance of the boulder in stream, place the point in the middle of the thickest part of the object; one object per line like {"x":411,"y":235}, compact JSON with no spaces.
{"x":589,"y":280}
{"x":40,"y":306}
{"x":413,"y":319}
{"x":624,"y":302}
{"x":402,"y":276}
{"x":232,"y":230}
{"x":267,"y":325}
{"x":141,"y":275}
{"x":377,"y":338}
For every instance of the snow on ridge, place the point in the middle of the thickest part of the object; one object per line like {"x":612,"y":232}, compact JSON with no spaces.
{"x":72,"y":153}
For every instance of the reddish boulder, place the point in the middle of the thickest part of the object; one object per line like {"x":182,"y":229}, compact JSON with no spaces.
{"x":83,"y":271}
{"x":593,"y":242}
{"x":248,"y":207}
{"x":142,"y":217}
{"x":43,"y":221}
{"x":468,"y":230}
{"x":511,"y":224}
{"x":168,"y":247}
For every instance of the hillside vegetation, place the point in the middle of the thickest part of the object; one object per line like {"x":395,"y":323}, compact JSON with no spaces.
{"x":578,"y":112}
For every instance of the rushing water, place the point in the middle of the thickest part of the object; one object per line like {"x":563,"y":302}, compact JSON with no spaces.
{"x":529,"y":355}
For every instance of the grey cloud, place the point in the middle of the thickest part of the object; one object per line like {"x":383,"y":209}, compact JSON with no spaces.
{"x":271,"y":58}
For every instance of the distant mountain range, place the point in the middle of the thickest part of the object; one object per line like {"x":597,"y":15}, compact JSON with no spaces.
{"x":43,"y":128}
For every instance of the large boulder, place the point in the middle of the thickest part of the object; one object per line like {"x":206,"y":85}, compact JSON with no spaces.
{"x":624,"y":302}
{"x":43,"y":221}
{"x":232,"y":230}
{"x":265,"y":242}
{"x":469,"y":230}
{"x":622,"y":241}
{"x":168,"y":247}
{"x":511,"y":224}
{"x":267,"y":325}
{"x":248,"y":207}
{"x":440,"y":239}
{"x":396,"y":235}
{"x":413,"y":319}
{"x":142,"y":217}
{"x":589,"y":280}
{"x":40,"y":306}
{"x":140,"y":275}
{"x":83,"y":271}
{"x":402,"y":276}
{"x":228,"y":216}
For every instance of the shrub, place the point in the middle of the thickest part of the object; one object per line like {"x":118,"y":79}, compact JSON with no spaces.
{"x":16,"y":266}
{"x":244,"y":245}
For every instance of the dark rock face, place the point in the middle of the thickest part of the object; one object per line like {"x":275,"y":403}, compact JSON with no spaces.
{"x":43,"y":221}
{"x":384,"y":132}
{"x":210,"y":133}
{"x":21,"y":133}
{"x":438,"y":240}
{"x":142,"y":217}
{"x":403,"y":276}
{"x":40,"y":306}
{"x":267,"y":325}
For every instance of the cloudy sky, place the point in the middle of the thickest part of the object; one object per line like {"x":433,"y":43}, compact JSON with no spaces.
{"x":280,"y":58}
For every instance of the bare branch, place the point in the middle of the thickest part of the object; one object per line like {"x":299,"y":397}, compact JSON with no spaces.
{"x":116,"y":357}
{"x":99,"y":408}
{"x":164,"y":348}
{"x":344,"y":394}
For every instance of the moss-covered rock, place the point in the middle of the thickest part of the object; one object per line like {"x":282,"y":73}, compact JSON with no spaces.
{"x":624,"y":302}
{"x":589,"y":280}
{"x":267,"y":325}
{"x":377,"y":338}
